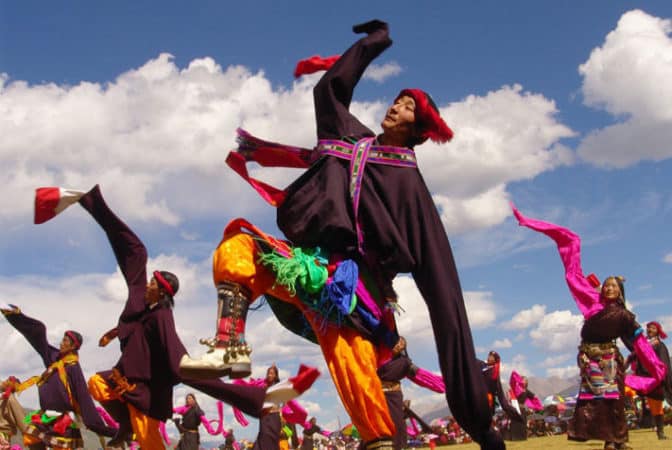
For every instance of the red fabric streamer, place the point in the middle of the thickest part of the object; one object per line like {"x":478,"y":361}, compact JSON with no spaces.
{"x":314,"y":64}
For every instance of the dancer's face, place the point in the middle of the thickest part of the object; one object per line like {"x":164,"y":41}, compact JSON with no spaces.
{"x":152,"y":293}
{"x":652,"y":331}
{"x":399,"y":122}
{"x":66,"y":345}
{"x":610,"y":290}
{"x":191,"y":401}
{"x":271,"y":375}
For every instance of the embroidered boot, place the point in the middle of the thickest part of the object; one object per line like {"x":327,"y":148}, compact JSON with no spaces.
{"x":229,"y":354}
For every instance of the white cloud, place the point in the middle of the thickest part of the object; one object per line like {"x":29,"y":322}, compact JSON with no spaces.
{"x":159,"y":123}
{"x":667,"y":258}
{"x":558,"y":330}
{"x":502,"y":343}
{"x":481,"y":308}
{"x":526,"y":318}
{"x":381,"y":72}
{"x":628,"y":76}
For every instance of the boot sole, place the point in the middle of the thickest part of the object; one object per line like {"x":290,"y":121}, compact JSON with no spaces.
{"x":234,"y":371}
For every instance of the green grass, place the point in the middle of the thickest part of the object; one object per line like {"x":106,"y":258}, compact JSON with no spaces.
{"x":639,"y":440}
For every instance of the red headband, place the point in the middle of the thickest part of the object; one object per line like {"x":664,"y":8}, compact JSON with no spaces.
{"x":75,"y":340}
{"x":164,"y":283}
{"x":427,"y":118}
{"x":661,"y":333}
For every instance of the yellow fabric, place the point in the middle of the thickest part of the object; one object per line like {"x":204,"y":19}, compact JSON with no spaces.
{"x":100,"y":390}
{"x":58,"y":366}
{"x":284,"y":444}
{"x":655,"y":406}
{"x":352,"y":360}
{"x":145,"y":428}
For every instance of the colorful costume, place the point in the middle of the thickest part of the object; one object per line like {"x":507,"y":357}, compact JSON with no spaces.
{"x":600,"y":412}
{"x":61,"y":389}
{"x":369,"y":203}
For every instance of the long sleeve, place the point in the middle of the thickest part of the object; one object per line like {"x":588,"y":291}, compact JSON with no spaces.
{"x":569,"y":248}
{"x":333,"y":93}
{"x":87,"y":408}
{"x":128,"y":249}
{"x":36,"y":334}
{"x":437,"y":279}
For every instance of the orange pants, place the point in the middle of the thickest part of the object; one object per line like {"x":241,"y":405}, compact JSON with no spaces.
{"x":145,"y":428}
{"x":352,"y":360}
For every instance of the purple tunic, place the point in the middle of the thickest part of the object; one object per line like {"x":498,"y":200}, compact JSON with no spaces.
{"x":401,"y":226}
{"x":52,"y":393}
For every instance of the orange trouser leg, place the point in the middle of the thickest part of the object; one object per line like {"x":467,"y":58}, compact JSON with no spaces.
{"x":145,"y":428}
{"x":351,"y":359}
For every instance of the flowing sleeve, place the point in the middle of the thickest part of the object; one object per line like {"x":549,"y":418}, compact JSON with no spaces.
{"x":569,"y":247}
{"x":427,"y":379}
{"x":333,"y":93}
{"x":128,"y":249}
{"x":36,"y":334}
{"x":170,"y":342}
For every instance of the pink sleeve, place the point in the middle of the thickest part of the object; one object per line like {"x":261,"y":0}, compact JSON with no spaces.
{"x":109,"y":421}
{"x":220,"y":426}
{"x":516,"y":384}
{"x":164,"y":433}
{"x":180,"y":409}
{"x":648,"y":358}
{"x":569,"y":247}
{"x":240,"y":418}
{"x":293,"y":412}
{"x":428,"y":380}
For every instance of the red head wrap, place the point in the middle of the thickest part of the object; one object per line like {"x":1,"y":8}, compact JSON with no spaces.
{"x":428,"y":121}
{"x":661,"y":333}
{"x":164,"y":283}
{"x":75,"y":337}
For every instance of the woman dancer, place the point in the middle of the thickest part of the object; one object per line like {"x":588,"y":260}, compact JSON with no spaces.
{"x":600,"y":411}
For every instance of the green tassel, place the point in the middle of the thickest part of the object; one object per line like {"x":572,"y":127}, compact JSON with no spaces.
{"x":301,"y":268}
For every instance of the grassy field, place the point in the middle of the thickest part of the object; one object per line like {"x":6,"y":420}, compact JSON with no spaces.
{"x":639,"y":440}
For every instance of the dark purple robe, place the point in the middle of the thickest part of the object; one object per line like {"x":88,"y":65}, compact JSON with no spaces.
{"x":52,"y":393}
{"x":150,"y":347}
{"x":402,"y":231}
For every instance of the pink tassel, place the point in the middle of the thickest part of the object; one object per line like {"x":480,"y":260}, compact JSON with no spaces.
{"x":428,"y":380}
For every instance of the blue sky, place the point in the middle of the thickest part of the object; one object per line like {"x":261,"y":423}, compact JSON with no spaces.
{"x":562,"y":108}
